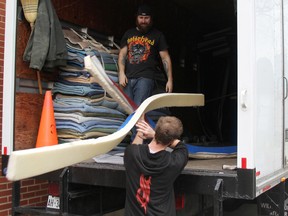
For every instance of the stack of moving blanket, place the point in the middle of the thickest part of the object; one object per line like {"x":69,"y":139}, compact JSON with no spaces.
{"x":83,"y":109}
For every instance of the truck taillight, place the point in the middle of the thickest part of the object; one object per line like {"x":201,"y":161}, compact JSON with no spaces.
{"x":53,"y":189}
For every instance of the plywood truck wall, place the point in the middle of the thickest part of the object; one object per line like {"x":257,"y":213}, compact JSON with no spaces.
{"x":28,"y":106}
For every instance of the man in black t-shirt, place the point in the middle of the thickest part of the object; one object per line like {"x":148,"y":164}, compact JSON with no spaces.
{"x":151,"y":170}
{"x":139,"y":55}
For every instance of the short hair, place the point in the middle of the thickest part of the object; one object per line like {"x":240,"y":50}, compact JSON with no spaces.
{"x":168,"y":128}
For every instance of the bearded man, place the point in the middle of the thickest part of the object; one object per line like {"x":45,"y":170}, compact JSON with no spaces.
{"x":139,"y":58}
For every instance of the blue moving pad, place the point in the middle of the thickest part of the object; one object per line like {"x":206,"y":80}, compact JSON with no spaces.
{"x":200,"y":152}
{"x":150,"y":121}
{"x":126,"y":121}
{"x":192,"y":149}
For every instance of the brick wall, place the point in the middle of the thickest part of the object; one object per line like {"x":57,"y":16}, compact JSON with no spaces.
{"x":33,"y":192}
{"x":5,"y":196}
{"x":5,"y":187}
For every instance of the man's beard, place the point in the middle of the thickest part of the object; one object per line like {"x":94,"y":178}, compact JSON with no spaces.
{"x":144,"y":28}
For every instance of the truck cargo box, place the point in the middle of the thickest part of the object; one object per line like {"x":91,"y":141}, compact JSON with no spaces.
{"x":234,"y":52}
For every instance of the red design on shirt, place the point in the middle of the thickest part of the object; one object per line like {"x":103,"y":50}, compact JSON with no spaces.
{"x":143,"y":193}
{"x":138,"y":52}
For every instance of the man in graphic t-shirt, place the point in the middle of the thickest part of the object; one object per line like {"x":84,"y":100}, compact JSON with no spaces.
{"x":151,"y":170}
{"x":139,"y":55}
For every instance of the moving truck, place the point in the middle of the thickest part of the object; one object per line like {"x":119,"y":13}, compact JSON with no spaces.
{"x":234,"y":52}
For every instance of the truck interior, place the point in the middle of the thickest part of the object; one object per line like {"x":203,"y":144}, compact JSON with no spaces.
{"x":202,"y":38}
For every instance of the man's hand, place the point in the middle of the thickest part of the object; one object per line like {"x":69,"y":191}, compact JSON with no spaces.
{"x":123,"y":79}
{"x":174,"y":143}
{"x":169,"y":86}
{"x":144,"y":130}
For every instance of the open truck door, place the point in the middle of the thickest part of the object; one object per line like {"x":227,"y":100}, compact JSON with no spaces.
{"x":260,"y":90}
{"x":262,"y":99}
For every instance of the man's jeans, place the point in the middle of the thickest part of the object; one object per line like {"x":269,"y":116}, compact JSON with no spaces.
{"x":139,"y":89}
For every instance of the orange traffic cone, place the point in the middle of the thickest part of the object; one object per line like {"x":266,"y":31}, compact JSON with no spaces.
{"x":47,"y":134}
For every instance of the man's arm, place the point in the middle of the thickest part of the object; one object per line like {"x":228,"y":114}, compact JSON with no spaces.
{"x":166,"y":60}
{"x":121,"y":64}
{"x":138,"y":139}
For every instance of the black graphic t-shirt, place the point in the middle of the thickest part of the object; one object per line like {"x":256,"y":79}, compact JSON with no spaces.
{"x":150,"y":178}
{"x":143,"y":52}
